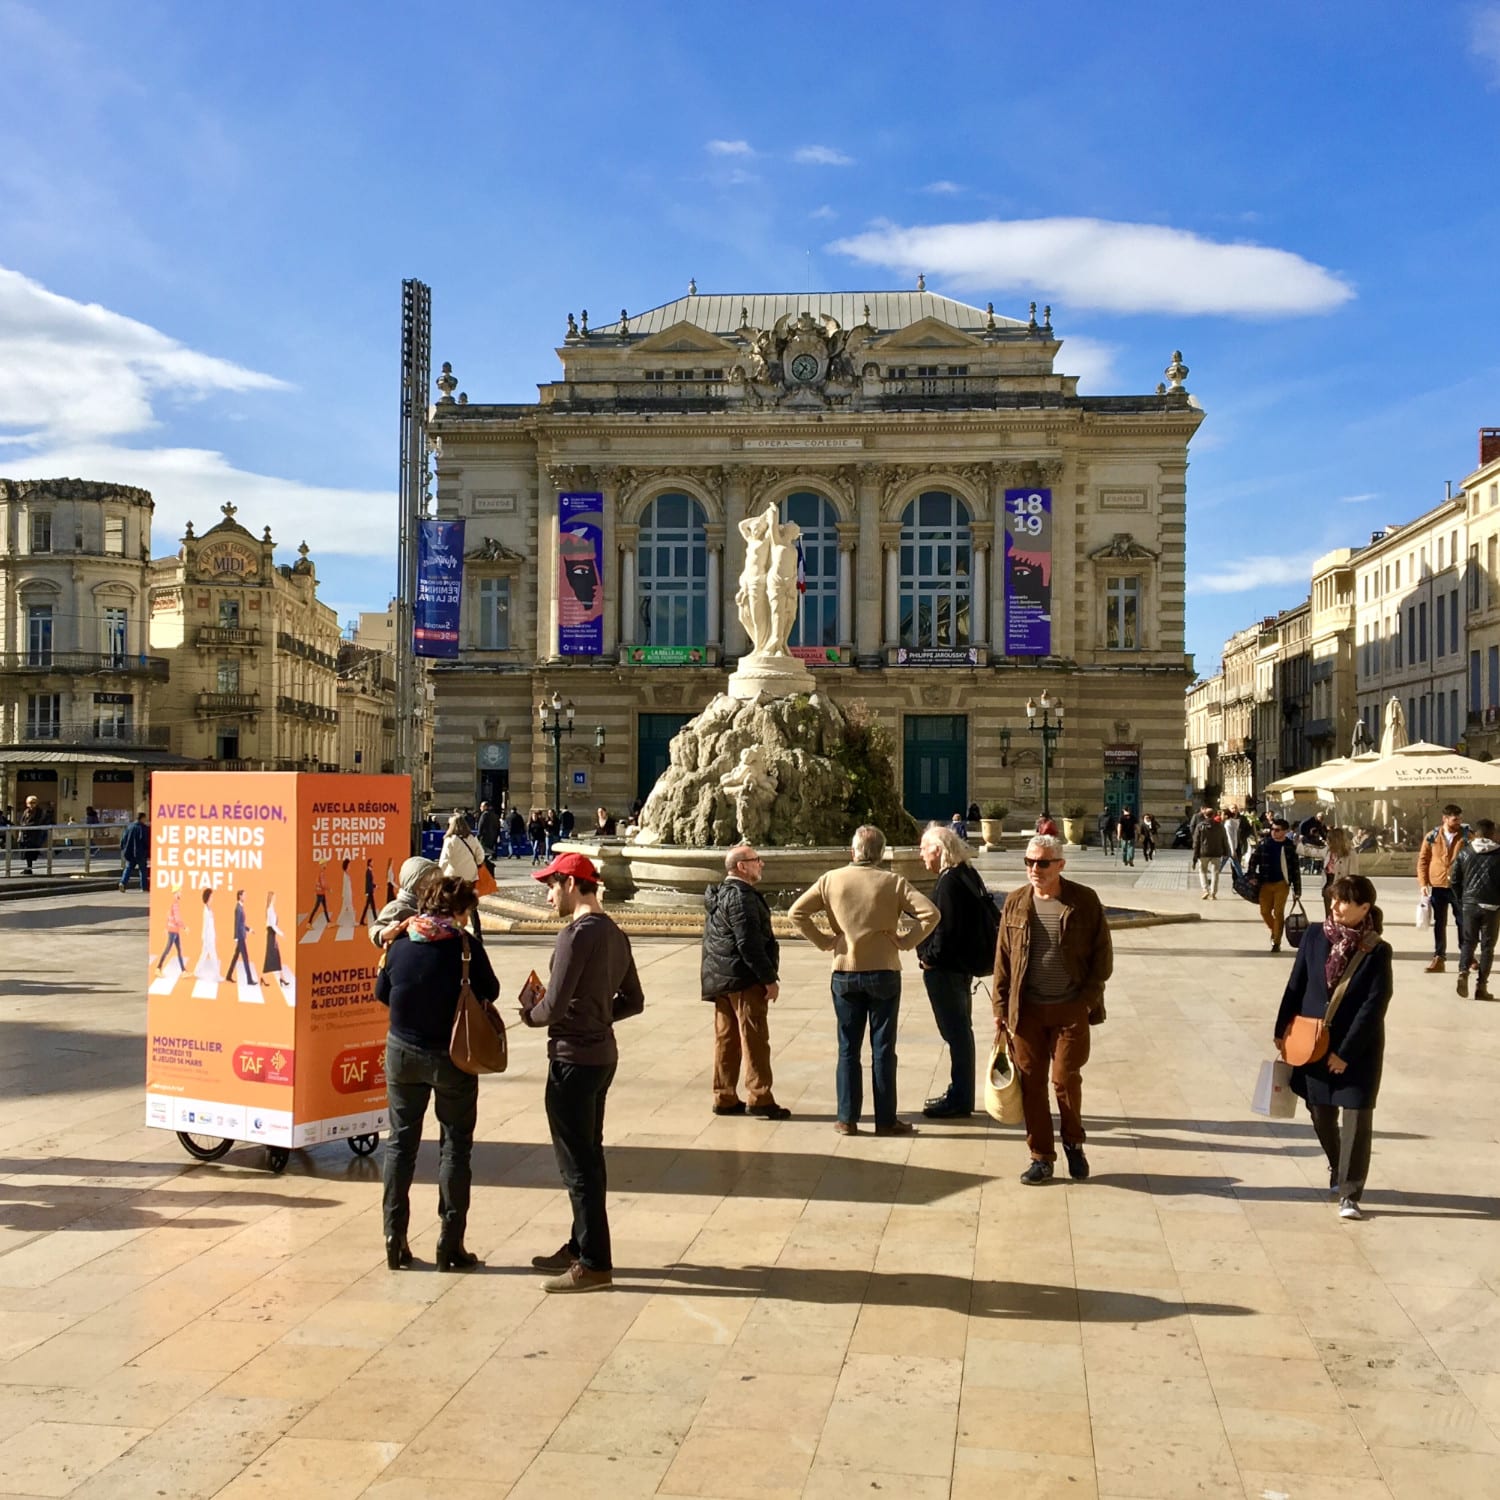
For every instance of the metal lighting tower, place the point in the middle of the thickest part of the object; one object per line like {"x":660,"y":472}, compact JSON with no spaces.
{"x":416,"y":375}
{"x":1050,"y":728}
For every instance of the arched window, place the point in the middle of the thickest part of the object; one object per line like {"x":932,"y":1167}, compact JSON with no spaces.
{"x":935,"y":554}
{"x":818,"y":611}
{"x":673,"y":567}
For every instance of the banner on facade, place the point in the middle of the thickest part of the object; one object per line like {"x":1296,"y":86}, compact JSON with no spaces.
{"x":1028,"y":572}
{"x":937,"y":656}
{"x":262,"y":1022}
{"x":580,"y":574}
{"x":440,"y":579}
{"x":816,"y":656}
{"x":667,"y":656}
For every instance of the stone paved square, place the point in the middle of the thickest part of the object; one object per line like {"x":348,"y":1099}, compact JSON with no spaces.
{"x":795,"y":1314}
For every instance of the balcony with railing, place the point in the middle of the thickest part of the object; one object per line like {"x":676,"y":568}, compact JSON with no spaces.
{"x":72,"y":734}
{"x":300,"y":708}
{"x":84,"y":664}
{"x":290,"y":643}
{"x":227,"y":703}
{"x":227,"y":635}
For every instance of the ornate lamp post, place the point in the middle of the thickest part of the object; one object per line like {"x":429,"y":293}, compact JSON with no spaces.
{"x":1005,"y":745}
{"x":556,"y":720}
{"x":1045,"y":718}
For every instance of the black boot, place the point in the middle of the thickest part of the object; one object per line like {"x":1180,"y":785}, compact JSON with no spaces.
{"x":451,"y":1255}
{"x":397,"y":1252}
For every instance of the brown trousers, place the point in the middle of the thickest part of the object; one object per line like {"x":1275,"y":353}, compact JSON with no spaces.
{"x":1051,"y":1040}
{"x":1273,"y":896}
{"x":742,"y":1031}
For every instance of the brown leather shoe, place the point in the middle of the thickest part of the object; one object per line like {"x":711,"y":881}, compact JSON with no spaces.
{"x":896,"y":1127}
{"x":1435,"y":967}
{"x":845,"y":1127}
{"x":578,"y":1278}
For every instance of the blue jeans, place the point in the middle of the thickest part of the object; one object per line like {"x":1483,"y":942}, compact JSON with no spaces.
{"x":950,"y":997}
{"x":1127,"y":849}
{"x":873,"y":996}
{"x":133,"y":867}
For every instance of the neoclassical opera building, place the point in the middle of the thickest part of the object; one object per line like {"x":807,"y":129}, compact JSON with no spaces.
{"x":973,"y":532}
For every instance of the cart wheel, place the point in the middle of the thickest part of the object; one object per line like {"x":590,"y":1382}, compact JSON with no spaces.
{"x":204,"y":1147}
{"x":363,"y":1145}
{"x":277,"y":1157}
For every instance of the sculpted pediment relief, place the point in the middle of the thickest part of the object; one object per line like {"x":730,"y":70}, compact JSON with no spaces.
{"x":1123,"y":547}
{"x":686,"y":338}
{"x":492,"y":549}
{"x":930,"y":333}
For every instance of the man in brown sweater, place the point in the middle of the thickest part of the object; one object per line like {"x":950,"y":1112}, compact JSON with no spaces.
{"x":1051,"y":963}
{"x":866,"y":907}
{"x":593,"y":983}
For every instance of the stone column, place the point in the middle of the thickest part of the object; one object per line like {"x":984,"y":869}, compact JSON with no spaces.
{"x":848,"y":534}
{"x":546,"y":559}
{"x":713,"y":538}
{"x":982,"y":535}
{"x":890,"y":540}
{"x":625,"y":538}
{"x":867,"y":626}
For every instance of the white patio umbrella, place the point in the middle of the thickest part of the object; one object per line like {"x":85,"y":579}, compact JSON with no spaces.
{"x":1422,"y":768}
{"x":1305,"y":784}
{"x":1393,"y":733}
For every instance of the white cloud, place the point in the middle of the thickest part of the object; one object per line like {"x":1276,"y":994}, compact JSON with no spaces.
{"x":1245,"y":573}
{"x":821,"y":156}
{"x":1484,"y":41}
{"x":1357,"y":499}
{"x":1091,"y":360}
{"x":942,"y":185}
{"x":729,"y":148}
{"x":825,"y":212}
{"x":74,"y":370}
{"x":1116,"y":267}
{"x":190,"y":484}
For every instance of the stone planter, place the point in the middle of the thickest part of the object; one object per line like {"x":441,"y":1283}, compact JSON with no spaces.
{"x":1075,"y":830}
{"x":992,"y":830}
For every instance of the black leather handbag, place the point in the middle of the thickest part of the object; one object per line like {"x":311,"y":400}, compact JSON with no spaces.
{"x":1296,"y":922}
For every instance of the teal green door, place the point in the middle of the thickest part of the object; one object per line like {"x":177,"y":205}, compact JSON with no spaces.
{"x":653,"y":737}
{"x":935,"y":763}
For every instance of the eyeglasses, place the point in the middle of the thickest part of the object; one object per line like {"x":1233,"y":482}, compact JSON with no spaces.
{"x":1037,"y":864}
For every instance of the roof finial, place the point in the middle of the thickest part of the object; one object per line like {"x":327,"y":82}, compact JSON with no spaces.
{"x":624,"y":329}
{"x":1047,"y":318}
{"x":1176,"y":372}
{"x":989,"y":314}
{"x":744,"y":316}
{"x":583,"y":324}
{"x":1031,"y":319}
{"x":867,"y":313}
{"x":188,"y":534}
{"x":921,"y":281}
{"x":228,"y":508}
{"x":265,"y":535}
{"x":572,"y":326}
{"x":692,"y":286}
{"x":446,"y":384}
{"x":463,"y":398}
{"x":302,"y":550}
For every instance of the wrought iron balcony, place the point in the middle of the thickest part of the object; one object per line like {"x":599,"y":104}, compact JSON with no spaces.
{"x":228,"y":703}
{"x":85,"y":664}
{"x":227,"y":635}
{"x":300,"y":708}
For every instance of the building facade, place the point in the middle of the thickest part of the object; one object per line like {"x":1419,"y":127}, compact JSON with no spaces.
{"x":366,"y":709}
{"x":75,"y":663}
{"x":1333,"y":695}
{"x":253,"y":654}
{"x":1205,"y":738}
{"x":1237,"y":783}
{"x":1411,"y":624}
{"x":916,"y":441}
{"x":1482,"y":598}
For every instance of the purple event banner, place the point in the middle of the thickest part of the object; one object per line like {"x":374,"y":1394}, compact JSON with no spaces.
{"x":440,"y":581}
{"x":1028,"y":572}
{"x":580,"y":574}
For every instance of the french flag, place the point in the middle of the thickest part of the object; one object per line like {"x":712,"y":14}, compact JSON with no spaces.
{"x":801,"y":569}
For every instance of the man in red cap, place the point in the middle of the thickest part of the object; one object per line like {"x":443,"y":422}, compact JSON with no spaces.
{"x":592,"y":984}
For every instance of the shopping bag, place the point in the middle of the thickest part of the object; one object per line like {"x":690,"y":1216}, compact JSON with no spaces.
{"x":1273,"y":1091}
{"x":1296,"y":922}
{"x":1002,"y":1087}
{"x":1424,"y":913}
{"x":1245,"y":885}
{"x":485,"y":883}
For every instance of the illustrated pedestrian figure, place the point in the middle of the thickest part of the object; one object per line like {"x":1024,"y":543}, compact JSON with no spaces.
{"x":272,"y":964}
{"x":371,"y":906}
{"x":207,"y":968}
{"x":242,"y":931}
{"x":175,"y":925}
{"x":320,"y":889}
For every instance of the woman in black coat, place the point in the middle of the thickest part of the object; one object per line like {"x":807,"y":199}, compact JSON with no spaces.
{"x":1347,"y":1076}
{"x":419,"y":980}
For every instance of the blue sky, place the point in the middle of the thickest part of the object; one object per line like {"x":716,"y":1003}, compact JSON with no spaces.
{"x":206,"y":212}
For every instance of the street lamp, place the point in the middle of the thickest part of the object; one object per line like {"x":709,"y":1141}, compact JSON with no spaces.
{"x":1005,"y":745}
{"x":1045,"y":718}
{"x":556,"y":720}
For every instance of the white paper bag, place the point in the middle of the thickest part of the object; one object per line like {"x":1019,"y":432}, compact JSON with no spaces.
{"x":1424,"y":912}
{"x":1273,"y":1091}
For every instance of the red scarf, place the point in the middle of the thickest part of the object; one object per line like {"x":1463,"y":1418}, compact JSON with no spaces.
{"x":1342,"y":942}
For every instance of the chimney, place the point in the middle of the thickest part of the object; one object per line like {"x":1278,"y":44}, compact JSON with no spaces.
{"x":1489,"y":444}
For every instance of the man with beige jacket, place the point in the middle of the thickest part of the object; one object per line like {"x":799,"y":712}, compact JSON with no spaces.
{"x":865,"y":906}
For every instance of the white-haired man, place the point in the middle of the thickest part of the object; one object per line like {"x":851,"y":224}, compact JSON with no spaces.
{"x":875,"y":916}
{"x":1051,"y":964}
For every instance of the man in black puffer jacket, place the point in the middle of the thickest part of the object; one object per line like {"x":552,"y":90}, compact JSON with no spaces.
{"x":1475,"y":884}
{"x":741,"y":966}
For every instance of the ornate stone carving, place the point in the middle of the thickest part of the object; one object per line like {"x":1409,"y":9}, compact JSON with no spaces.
{"x":573,"y":476}
{"x":1030,"y":472}
{"x":492,"y":549}
{"x":893,"y":477}
{"x":767,"y":604}
{"x":802,"y":360}
{"x":753,"y":789}
{"x":1123,"y":547}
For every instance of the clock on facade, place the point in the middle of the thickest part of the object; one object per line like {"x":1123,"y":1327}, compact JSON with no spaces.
{"x":805,"y":367}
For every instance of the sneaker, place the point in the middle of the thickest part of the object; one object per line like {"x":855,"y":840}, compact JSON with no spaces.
{"x":737,"y":1108}
{"x":770,"y":1111}
{"x":1435,"y":967}
{"x":1038,"y":1171}
{"x":1204,"y":896}
{"x":1463,"y":985}
{"x":559,"y":1260}
{"x":1349,"y":1209}
{"x":1078,"y":1163}
{"x":1275,"y":947}
{"x":896,"y":1127}
{"x":579,"y":1278}
{"x":845,"y":1127}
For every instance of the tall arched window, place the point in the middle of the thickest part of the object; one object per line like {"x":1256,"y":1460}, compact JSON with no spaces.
{"x":673,"y":566}
{"x":935,"y":556}
{"x":818,"y":611}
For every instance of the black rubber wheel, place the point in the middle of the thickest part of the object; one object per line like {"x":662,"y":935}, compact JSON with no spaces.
{"x":277,"y":1157}
{"x":204,"y":1147}
{"x":363,"y":1145}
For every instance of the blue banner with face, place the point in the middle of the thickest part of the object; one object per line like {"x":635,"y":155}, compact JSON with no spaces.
{"x":440,"y":578}
{"x":1028,"y":572}
{"x":580,"y":574}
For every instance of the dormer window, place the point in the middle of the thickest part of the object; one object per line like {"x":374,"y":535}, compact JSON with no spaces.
{"x":682,"y":374}
{"x":656,"y":374}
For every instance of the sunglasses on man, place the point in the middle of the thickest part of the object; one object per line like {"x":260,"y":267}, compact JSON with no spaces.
{"x":1037,"y":864}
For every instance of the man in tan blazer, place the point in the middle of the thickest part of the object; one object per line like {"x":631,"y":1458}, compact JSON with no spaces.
{"x":875,"y":916}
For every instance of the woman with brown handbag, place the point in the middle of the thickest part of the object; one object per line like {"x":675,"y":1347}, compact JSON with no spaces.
{"x":1331,"y":1028}
{"x":421,"y":978}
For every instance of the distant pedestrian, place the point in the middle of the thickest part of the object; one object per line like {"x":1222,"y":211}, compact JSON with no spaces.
{"x":1125,"y":831}
{"x":604,"y":823}
{"x":1107,"y":830}
{"x":135,"y":851}
{"x":1210,"y":850}
{"x":1046,"y":825}
{"x":1149,"y":831}
{"x":958,"y":827}
{"x":487,"y":830}
{"x":1475,"y":884}
{"x":566,"y":823}
{"x":33,"y":836}
{"x":1435,"y":858}
{"x":516,"y":831}
{"x":1274,"y":865}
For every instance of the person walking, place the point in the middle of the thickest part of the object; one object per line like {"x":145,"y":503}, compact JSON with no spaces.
{"x":419,"y":980}
{"x":1107,"y":830}
{"x":515,"y":829}
{"x":487,"y":830}
{"x":536,"y":833}
{"x":593,"y":983}
{"x":1475,"y":886}
{"x":1237,"y":832}
{"x":1052,"y":962}
{"x":959,"y":948}
{"x":1125,"y":828}
{"x":33,"y":821}
{"x":461,"y":854}
{"x":1341,"y":859}
{"x":1148,"y":836}
{"x":135,"y":851}
{"x":1274,"y":865}
{"x":566,"y":823}
{"x":1435,"y":858}
{"x":1210,"y":850}
{"x":242,"y":931}
{"x":865,"y":906}
{"x":739,"y":974}
{"x":1342,"y":976}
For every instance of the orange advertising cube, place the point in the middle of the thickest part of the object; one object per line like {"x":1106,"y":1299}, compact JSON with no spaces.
{"x":262,"y":1023}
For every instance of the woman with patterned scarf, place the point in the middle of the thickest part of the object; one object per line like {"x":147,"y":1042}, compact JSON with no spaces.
{"x":419,"y":980}
{"x":1346,"y":950}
